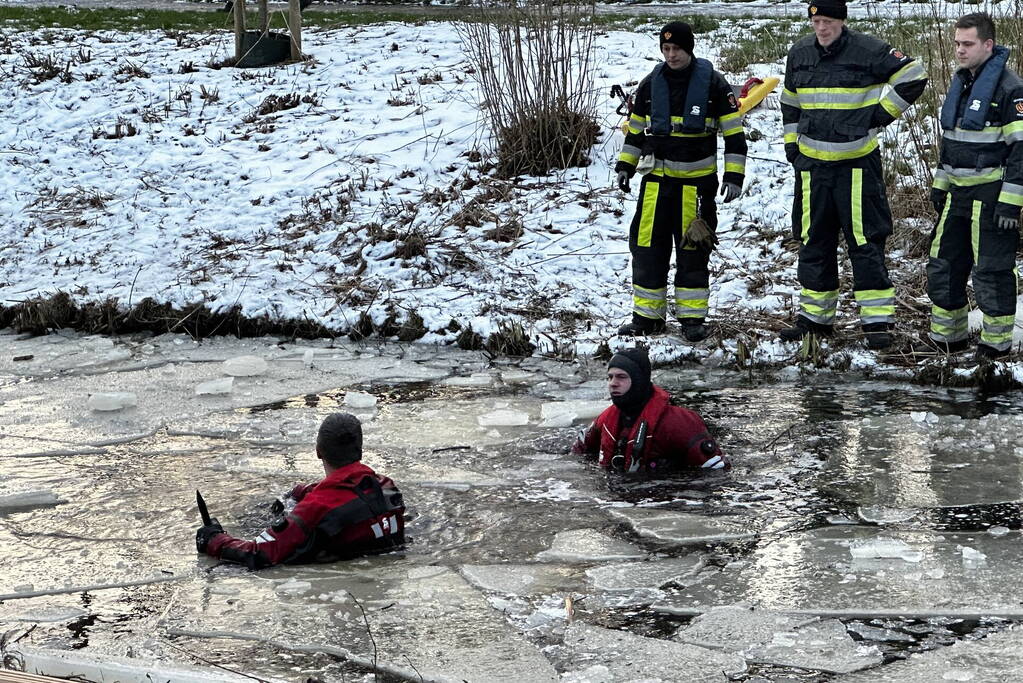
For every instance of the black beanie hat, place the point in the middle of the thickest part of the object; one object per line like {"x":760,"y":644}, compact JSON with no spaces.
{"x":637,"y":364}
{"x":835,"y":9}
{"x":339,"y":441}
{"x":678,"y":33}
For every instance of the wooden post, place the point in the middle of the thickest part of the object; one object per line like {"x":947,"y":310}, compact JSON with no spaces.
{"x":239,"y":27}
{"x":264,"y":17}
{"x":295,"y":24}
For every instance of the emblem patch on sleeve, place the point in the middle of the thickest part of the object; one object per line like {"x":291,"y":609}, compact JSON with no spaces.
{"x":732,"y":102}
{"x":898,"y":54}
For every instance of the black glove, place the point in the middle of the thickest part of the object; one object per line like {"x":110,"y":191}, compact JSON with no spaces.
{"x":729,"y":191}
{"x":623,"y":181}
{"x":938,"y":199}
{"x":206,"y":533}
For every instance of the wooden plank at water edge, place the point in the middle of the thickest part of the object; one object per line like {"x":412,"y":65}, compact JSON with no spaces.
{"x":18,"y":677}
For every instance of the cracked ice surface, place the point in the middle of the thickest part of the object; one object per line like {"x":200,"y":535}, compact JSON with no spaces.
{"x":522,"y":580}
{"x":680,"y":528}
{"x":814,"y":571}
{"x":735,"y":628}
{"x":823,"y":646}
{"x":622,"y":656}
{"x":995,"y":659}
{"x":588,"y":545}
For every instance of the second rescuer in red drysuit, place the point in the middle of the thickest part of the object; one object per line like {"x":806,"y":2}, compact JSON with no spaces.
{"x":672,"y":141}
{"x":351,"y":512}
{"x":642,"y":431}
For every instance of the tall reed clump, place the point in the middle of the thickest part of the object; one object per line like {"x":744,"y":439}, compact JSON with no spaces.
{"x":533,"y":61}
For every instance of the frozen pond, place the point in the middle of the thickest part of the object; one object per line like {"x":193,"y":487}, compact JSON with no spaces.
{"x":868,"y":531}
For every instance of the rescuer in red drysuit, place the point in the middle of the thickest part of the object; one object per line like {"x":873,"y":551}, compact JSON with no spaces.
{"x":642,"y":431}
{"x":351,"y":512}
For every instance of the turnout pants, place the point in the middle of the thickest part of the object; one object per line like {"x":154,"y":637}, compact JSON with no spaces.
{"x":839,"y":199}
{"x":666,"y":208}
{"x":966,"y":239}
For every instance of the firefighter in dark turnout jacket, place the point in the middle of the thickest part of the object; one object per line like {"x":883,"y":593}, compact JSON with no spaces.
{"x":672,"y":140}
{"x":351,"y":512}
{"x":977,"y":192}
{"x":642,"y":431}
{"x":841,"y":89}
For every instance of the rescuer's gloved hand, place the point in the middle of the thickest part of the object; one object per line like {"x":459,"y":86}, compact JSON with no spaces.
{"x":1007,"y":222}
{"x":938,"y":199}
{"x":729,"y":192}
{"x":699,"y":234}
{"x":623,"y":181}
{"x":206,"y":533}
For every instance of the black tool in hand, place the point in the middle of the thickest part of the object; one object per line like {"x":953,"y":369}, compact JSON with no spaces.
{"x":203,"y":510}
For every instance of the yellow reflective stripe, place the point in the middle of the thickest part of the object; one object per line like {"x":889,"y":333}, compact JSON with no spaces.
{"x":790,"y":137}
{"x":637,"y":124}
{"x":673,"y":173}
{"x":730,"y":123}
{"x":688,"y":210}
{"x":997,"y":331}
{"x":857,"y":206}
{"x":870,"y":294}
{"x":941,"y":180}
{"x":940,"y":229}
{"x":732,"y":167}
{"x":646,"y":220}
{"x":967,"y":178}
{"x":1011,"y":194}
{"x":649,"y":303}
{"x":891,"y":107}
{"x":628,"y":158}
{"x":841,"y":105}
{"x":826,"y":155}
{"x":975,"y":228}
{"x":790,"y":98}
{"x":913,"y":71}
{"x":1013,"y":132}
{"x":804,"y":177}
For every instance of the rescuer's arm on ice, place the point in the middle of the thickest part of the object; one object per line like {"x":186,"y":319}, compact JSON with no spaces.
{"x":790,"y":112}
{"x":1010,"y":199}
{"x":588,"y":441}
{"x":725,"y":109}
{"x":274,"y":545}
{"x":635,"y":138}
{"x":905,"y":78}
{"x":693,"y":444}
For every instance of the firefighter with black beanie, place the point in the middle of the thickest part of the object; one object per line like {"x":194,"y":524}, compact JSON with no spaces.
{"x":642,"y":431}
{"x":678,"y":111}
{"x":841,"y":88}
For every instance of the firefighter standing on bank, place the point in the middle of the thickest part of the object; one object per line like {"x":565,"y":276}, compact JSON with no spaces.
{"x":679,"y":109}
{"x":841,"y":88}
{"x":977,"y":192}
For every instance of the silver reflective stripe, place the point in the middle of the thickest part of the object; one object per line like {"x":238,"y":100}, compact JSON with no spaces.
{"x":1012,"y":188}
{"x":913,"y":71}
{"x":790,"y":98}
{"x":968,"y":172}
{"x":730,"y":125}
{"x":885,"y":301}
{"x":631,"y":150}
{"x":715,"y":462}
{"x":265,"y":537}
{"x":895,"y":99}
{"x":986,"y":135}
{"x":852,"y":146}
{"x":869,"y":319}
{"x":736,"y":159}
{"x":1014,"y":136}
{"x":685,"y":295}
{"x":860,"y":97}
{"x":702,"y":164}
{"x":790,"y":128}
{"x":997,"y":329}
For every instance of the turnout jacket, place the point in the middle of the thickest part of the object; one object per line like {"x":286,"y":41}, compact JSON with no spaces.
{"x":985,"y":164}
{"x":675,"y":437}
{"x":837,"y":99}
{"x":687,"y":156}
{"x":352,"y":512}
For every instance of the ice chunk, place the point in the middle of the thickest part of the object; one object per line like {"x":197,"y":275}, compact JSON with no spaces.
{"x":519,"y":377}
{"x":588,"y":545}
{"x":307,"y":357}
{"x":518,"y":579}
{"x":111,"y":400}
{"x":823,"y":646}
{"x":214,"y":387}
{"x":294,"y":586}
{"x":560,"y":420}
{"x":972,"y":558}
{"x":683,"y":528}
{"x":29,"y":499}
{"x":998,"y":530}
{"x":628,"y":657}
{"x":503,"y":418}
{"x":877,"y":514}
{"x":479,"y":379}
{"x":583,"y":410}
{"x":245,"y":366}
{"x":879,"y":635}
{"x":632,"y":575}
{"x":360,"y":400}
{"x":735,"y":628}
{"x":884,"y":548}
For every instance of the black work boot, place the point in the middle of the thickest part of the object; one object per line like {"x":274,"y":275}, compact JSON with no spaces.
{"x":693,"y":329}
{"x":878,"y":336}
{"x":987,"y":353}
{"x":931,"y":347}
{"x":642,"y":326}
{"x":804,"y":327}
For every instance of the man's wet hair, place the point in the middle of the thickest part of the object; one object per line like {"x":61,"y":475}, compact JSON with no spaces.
{"x":339,"y":441}
{"x":981,"y":21}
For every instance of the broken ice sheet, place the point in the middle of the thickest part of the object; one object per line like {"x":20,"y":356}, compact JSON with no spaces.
{"x":29,"y":499}
{"x":360,"y":400}
{"x":215,"y":387}
{"x":245,"y":366}
{"x":111,"y":400}
{"x":824,"y":646}
{"x":503,"y":418}
{"x":884,"y":548}
{"x":628,"y":657}
{"x":627,"y":576}
{"x":681,"y":528}
{"x":588,"y":545}
{"x":735,"y":628}
{"x":522,"y":579}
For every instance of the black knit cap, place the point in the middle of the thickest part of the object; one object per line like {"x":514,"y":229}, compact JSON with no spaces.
{"x":339,"y":441}
{"x":636,"y":363}
{"x":835,"y":9}
{"x":678,"y":33}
